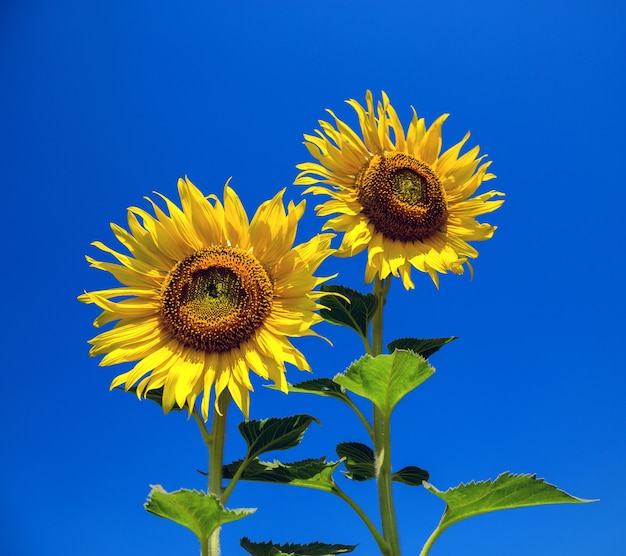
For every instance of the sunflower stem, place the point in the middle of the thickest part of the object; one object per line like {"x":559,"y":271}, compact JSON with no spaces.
{"x":216,"y":461}
{"x":231,"y":485}
{"x":382,"y":434}
{"x":204,"y":547}
{"x":363,"y":418}
{"x":206,"y":435}
{"x":366,"y":344}
{"x":431,"y":540}
{"x":382,"y":543}
{"x":380,"y":292}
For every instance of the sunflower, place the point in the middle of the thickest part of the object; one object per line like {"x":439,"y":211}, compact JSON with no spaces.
{"x":208,"y":296}
{"x":396,"y":195}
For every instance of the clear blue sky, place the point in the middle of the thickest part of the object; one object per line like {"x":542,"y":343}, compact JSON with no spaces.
{"x":104,"y":102}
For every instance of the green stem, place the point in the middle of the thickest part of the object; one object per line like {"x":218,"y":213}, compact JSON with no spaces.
{"x":366,"y":344}
{"x":431,"y":540}
{"x":382,"y":435}
{"x":380,"y":291}
{"x":216,"y":461}
{"x":206,"y":435}
{"x":382,"y":543}
{"x":231,"y":485}
{"x":204,"y":547}
{"x":362,"y":417}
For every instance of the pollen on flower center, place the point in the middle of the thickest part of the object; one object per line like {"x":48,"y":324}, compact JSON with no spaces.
{"x":216,"y":299}
{"x":402,"y":197}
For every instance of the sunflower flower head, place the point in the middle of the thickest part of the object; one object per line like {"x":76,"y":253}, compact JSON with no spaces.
{"x":207,"y":296}
{"x":396,"y":195}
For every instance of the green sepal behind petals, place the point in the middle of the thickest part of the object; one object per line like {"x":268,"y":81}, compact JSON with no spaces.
{"x":349,"y":308}
{"x":506,"y":492}
{"x":385,"y":379}
{"x":425,"y":347}
{"x":312,"y":549}
{"x":312,"y":473}
{"x":359,"y":460}
{"x":274,"y":433}
{"x":155,"y":395}
{"x":198,"y":512}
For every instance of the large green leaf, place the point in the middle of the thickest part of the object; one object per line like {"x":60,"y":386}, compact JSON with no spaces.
{"x":411,"y":475}
{"x":195,"y":510}
{"x":506,"y":492}
{"x":313,"y":473}
{"x":276,"y":433}
{"x":312,"y":549}
{"x":359,"y":460}
{"x":350,"y":308}
{"x":385,"y":379}
{"x":425,"y":347}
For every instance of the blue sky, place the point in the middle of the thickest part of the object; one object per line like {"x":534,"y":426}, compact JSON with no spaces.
{"x":105,"y":102}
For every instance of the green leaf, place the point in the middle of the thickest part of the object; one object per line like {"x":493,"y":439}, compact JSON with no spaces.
{"x":313,"y":473}
{"x":155,"y":395}
{"x":507,"y":491}
{"x":356,"y":312}
{"x":274,"y":433}
{"x":328,"y":388}
{"x":321,"y":387}
{"x":425,"y":348}
{"x":411,"y":475}
{"x":385,"y":379}
{"x":194,"y":510}
{"x":312,"y":549}
{"x":359,"y":460}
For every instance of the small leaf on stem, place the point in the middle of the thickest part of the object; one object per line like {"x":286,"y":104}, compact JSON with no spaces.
{"x":312,"y":549}
{"x":425,"y":347}
{"x":359,"y":460}
{"x":276,"y":433}
{"x":321,"y":387}
{"x":313,"y":472}
{"x":350,"y":308}
{"x":411,"y":475}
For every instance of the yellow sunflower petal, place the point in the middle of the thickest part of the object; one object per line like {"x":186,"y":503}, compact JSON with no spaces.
{"x":397,"y":195}
{"x":180,"y":318}
{"x":235,"y":220}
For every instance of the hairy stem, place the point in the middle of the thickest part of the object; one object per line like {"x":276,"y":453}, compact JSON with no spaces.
{"x":231,"y":485}
{"x":382,"y":435}
{"x":216,"y":461}
{"x":362,"y":418}
{"x":382,"y":543}
{"x":431,"y":540}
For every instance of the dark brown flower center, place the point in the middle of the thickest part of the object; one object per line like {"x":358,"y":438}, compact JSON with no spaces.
{"x":402,"y":197}
{"x":216,"y":299}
